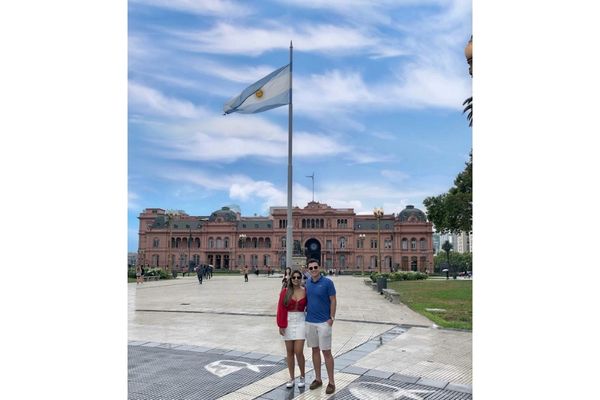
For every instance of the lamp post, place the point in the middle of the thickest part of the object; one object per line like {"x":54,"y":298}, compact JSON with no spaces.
{"x":170,"y":216}
{"x":378,"y":213}
{"x":362,"y":246}
{"x":243,"y":242}
{"x":189,"y":263}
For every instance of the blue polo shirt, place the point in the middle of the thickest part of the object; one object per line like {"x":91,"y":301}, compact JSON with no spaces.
{"x":318,"y":302}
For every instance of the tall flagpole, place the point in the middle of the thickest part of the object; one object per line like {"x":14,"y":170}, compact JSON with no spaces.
{"x":289,"y":237}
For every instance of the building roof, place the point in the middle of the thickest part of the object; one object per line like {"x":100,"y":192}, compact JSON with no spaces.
{"x":412,"y":214}
{"x":225,"y":214}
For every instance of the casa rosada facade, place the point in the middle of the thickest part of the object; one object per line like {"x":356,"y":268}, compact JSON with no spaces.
{"x":338,"y":237}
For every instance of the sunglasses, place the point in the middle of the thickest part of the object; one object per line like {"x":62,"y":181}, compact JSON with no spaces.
{"x":296,"y":277}
{"x":311,"y":268}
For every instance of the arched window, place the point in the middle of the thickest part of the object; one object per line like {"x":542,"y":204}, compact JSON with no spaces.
{"x":312,"y":223}
{"x":211,"y":243}
{"x":405,"y":244}
{"x":303,"y":223}
{"x":226,"y":242}
{"x":268,"y":243}
{"x":254,"y":243}
{"x":359,"y":261}
{"x":413,"y":244}
{"x":342,"y":242}
{"x":155,"y":243}
{"x":422,"y":244}
{"x":283,"y":241}
{"x":261,"y":243}
{"x":197,"y":241}
{"x":219,"y":243}
{"x":373,"y":262}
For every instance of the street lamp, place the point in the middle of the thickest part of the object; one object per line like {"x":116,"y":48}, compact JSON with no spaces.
{"x":170,"y":217}
{"x":361,"y":237}
{"x":189,"y":248}
{"x":243,"y":242}
{"x":378,"y":213}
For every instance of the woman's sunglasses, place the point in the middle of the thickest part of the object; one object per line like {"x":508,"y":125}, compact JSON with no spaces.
{"x":296,"y":277}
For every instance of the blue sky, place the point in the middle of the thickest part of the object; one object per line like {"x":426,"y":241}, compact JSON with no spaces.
{"x":378,"y":92}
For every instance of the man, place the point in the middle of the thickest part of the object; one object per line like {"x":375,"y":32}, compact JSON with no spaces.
{"x":320,"y":314}
{"x":198,"y":270}
{"x":245,"y":273}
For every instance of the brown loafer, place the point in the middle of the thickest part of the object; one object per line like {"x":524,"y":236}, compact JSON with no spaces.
{"x":330,"y":389}
{"x":315,"y":384}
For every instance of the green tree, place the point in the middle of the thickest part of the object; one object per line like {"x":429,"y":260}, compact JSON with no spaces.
{"x":453,"y":211}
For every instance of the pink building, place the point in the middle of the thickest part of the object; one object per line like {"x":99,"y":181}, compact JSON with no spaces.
{"x":336,"y":236}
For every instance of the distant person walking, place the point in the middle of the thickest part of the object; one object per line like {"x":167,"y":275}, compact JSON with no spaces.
{"x":245,"y":273}
{"x":320,"y":315}
{"x":199,"y":273}
{"x":290,"y":320}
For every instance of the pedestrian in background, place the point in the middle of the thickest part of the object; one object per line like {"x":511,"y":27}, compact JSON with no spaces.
{"x":199,"y":273}
{"x":138,"y":275}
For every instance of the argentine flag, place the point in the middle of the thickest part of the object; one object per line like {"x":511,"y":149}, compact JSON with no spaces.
{"x":270,"y":92}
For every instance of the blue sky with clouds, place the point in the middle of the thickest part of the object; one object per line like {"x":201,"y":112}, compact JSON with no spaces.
{"x":378,"y":91}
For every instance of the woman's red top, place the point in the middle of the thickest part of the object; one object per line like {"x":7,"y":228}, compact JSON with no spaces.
{"x":293,"y":306}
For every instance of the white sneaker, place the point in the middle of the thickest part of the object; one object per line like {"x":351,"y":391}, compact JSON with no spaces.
{"x":301,"y":382}
{"x":290,"y":384}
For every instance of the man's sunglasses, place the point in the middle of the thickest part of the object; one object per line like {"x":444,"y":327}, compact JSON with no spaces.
{"x":311,"y":268}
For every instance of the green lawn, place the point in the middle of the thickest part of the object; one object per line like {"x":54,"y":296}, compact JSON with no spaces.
{"x":454,"y":296}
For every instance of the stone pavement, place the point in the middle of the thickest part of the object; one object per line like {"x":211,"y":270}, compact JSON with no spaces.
{"x":219,"y":340}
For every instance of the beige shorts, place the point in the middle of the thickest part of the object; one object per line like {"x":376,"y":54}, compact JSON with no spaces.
{"x":318,"y":335}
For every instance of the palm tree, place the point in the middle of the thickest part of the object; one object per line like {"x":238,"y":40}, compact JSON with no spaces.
{"x":469,"y":108}
{"x":469,"y":102}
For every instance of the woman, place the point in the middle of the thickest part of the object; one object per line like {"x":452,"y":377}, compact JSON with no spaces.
{"x":290,"y":320}
{"x":286,"y":277}
{"x":138,"y":275}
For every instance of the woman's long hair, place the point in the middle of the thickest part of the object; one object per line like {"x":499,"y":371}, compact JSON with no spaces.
{"x":290,"y":287}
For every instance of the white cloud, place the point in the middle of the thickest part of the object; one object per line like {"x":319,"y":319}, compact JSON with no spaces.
{"x":148,"y":101}
{"x":396,"y":176}
{"x":225,"y":38}
{"x":362,"y":196}
{"x":132,"y":201}
{"x":228,"y":138}
{"x":224,"y":8}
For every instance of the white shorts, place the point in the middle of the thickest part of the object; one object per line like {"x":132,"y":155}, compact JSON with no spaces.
{"x":318,"y":335}
{"x":295,"y":329}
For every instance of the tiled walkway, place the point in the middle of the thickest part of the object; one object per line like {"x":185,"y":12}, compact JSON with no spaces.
{"x":219,"y":341}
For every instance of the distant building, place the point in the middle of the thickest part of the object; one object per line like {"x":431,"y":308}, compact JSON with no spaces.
{"x":461,"y":242}
{"x":338,"y":237}
{"x":131,"y":258}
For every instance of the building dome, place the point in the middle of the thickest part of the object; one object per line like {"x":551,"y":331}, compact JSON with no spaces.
{"x":412,"y":214}
{"x":225,"y":214}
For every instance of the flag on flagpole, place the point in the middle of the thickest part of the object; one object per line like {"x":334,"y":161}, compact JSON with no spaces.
{"x":270,"y":92}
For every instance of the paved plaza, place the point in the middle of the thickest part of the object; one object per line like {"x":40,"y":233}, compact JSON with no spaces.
{"x":219,"y":340}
